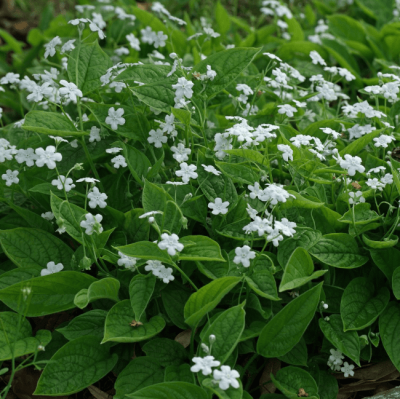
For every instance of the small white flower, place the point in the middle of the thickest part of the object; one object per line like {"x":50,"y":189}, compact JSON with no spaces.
{"x":94,"y":134}
{"x":272,"y":56}
{"x":317,"y":59}
{"x":244,"y":255}
{"x":159,"y":39}
{"x":211,"y":169}
{"x":183,"y":88}
{"x":187,"y":172}
{"x":133,"y":41}
{"x":157,"y":137}
{"x":347,"y":369}
{"x":219,"y":207}
{"x":69,"y":90}
{"x":61,"y":182}
{"x":114,"y":118}
{"x":51,"y":47}
{"x":28,"y":156}
{"x":352,"y":164}
{"x":180,"y":153}
{"x":204,"y":364}
{"x":170,"y":243}
{"x":68,"y":46}
{"x":226,"y":377}
{"x":88,"y":180}
{"x":287,"y":152}
{"x":51,"y":268}
{"x":118,"y":161}
{"x":10,"y":177}
{"x":356,"y":198}
{"x":127,"y":261}
{"x":383,"y":141}
{"x":165,"y":274}
{"x":48,"y":157}
{"x":287,"y":109}
{"x":92,"y":223}
{"x":97,"y":198}
{"x":333,"y":133}
{"x":113,"y":150}
{"x":47,"y":216}
{"x":94,"y":28}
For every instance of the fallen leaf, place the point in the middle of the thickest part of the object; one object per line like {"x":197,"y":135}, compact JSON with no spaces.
{"x":272,"y":366}
{"x":98,"y":393}
{"x":184,"y":338}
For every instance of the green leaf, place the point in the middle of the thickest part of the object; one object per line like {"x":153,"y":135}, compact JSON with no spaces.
{"x":118,"y":325}
{"x":386,"y":259}
{"x":222,"y":18}
{"x":34,"y":248}
{"x":347,"y":342}
{"x":166,"y":351}
{"x":70,"y":214}
{"x":32,"y":218}
{"x":89,"y":323}
{"x":49,"y":294}
{"x":228,"y":64}
{"x":358,"y":145}
{"x":238,"y":172}
{"x":159,"y":95}
{"x":287,"y":327}
{"x":362,"y":215}
{"x":147,"y":372}
{"x":227,"y":328}
{"x":207,"y":298}
{"x":75,"y":366}
{"x":338,"y":250}
{"x":200,"y":248}
{"x":141,"y":289}
{"x":176,"y":390}
{"x":146,"y":73}
{"x":386,"y":243}
{"x":396,"y":283}
{"x":136,"y":228}
{"x":230,"y":393}
{"x":299,"y":270}
{"x":138,"y":163}
{"x":389,"y":323}
{"x":346,"y":28}
{"x":290,"y":380}
{"x":86,"y":64}
{"x":14,"y":276}
{"x":263,"y":283}
{"x":50,"y":123}
{"x":16,"y":336}
{"x":146,"y":250}
{"x":106,"y":288}
{"x":360,"y":305}
{"x":179,"y":373}
{"x":297,"y":356}
{"x":174,"y":298}
{"x":172,"y":218}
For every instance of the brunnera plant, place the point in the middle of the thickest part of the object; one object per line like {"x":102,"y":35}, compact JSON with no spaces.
{"x":217,"y":215}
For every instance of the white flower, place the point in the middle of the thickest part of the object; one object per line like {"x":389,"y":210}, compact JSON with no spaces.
{"x":210,"y":74}
{"x":10,"y":78}
{"x":285,"y":227}
{"x":287,"y":152}
{"x":244,"y":255}
{"x":252,"y":212}
{"x":27,"y":156}
{"x":68,"y":46}
{"x":210,"y":32}
{"x":38,"y":92}
{"x":317,"y":59}
{"x":118,"y":161}
{"x":48,"y":216}
{"x":211,"y":169}
{"x":383,"y":141}
{"x":333,"y":133}
{"x":127,"y":261}
{"x":87,"y":180}
{"x":47,"y":157}
{"x":226,"y":377}
{"x":19,"y":123}
{"x":170,"y":243}
{"x":159,"y":39}
{"x":245,"y":89}
{"x":183,"y":88}
{"x":94,"y":134}
{"x":92,"y":223}
{"x":347,"y":369}
{"x":114,"y":118}
{"x":121,"y":51}
{"x":275,"y":194}
{"x":133,"y":41}
{"x":352,"y":164}
{"x":287,"y":109}
{"x":336,"y":356}
{"x":62,"y":182}
{"x":119,"y":86}
{"x":153,"y":266}
{"x":272,"y":56}
{"x":157,"y":137}
{"x":70,"y":90}
{"x":219,"y":207}
{"x":165,"y":274}
{"x":51,"y":268}
{"x":300,"y":140}
{"x":375,"y":184}
{"x":387,"y":179}
{"x":97,"y":198}
{"x":94,"y":28}
{"x":204,"y":364}
{"x":356,"y":198}
{"x":58,"y":139}
{"x":10,"y":177}
{"x":181,"y":153}
{"x":151,"y":213}
{"x":113,"y":150}
{"x":187,"y":172}
{"x":147,"y":35}
{"x":51,"y":47}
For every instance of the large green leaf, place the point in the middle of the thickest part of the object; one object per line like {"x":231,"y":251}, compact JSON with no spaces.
{"x":338,"y":250}
{"x":299,"y":270}
{"x":118,"y":326}
{"x":34,"y":248}
{"x":297,"y":356}
{"x":347,"y":342}
{"x":263,"y":283}
{"x":145,"y":73}
{"x":138,"y":163}
{"x":106,"y":288}
{"x":287,"y":327}
{"x":141,"y":289}
{"x":200,"y":248}
{"x":75,"y":366}
{"x":146,"y":250}
{"x":389,"y":324}
{"x":86,"y":64}
{"x":167,"y":351}
{"x":290,"y":380}
{"x":361,"y":305}
{"x":159,"y":95}
{"x":207,"y":298}
{"x":362,"y":215}
{"x":228,"y":64}
{"x":49,"y":294}
{"x":166,"y":390}
{"x":16,"y":336}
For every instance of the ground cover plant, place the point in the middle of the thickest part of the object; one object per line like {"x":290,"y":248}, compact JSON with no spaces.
{"x":209,"y":206}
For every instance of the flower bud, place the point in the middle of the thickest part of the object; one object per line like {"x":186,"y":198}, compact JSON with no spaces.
{"x":151,"y":219}
{"x":212,"y":338}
